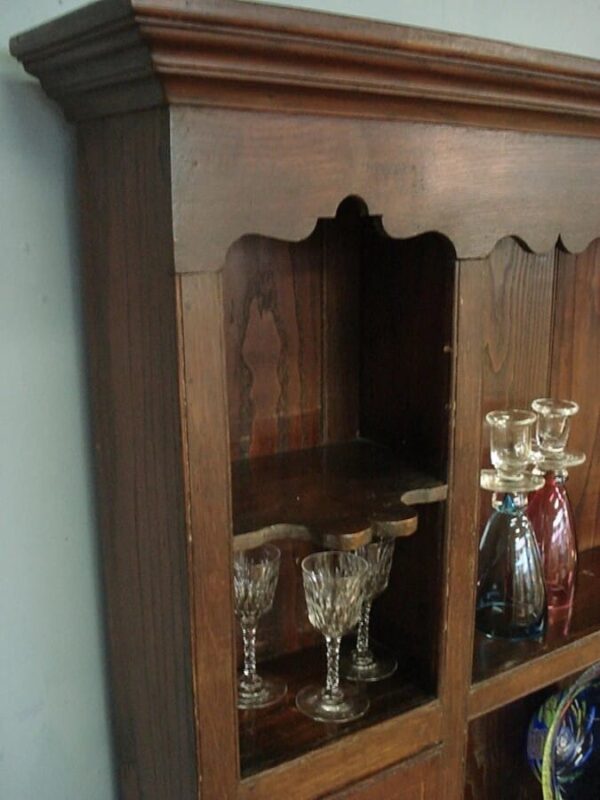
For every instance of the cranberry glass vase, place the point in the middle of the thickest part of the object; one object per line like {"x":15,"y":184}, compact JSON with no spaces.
{"x":551,"y":517}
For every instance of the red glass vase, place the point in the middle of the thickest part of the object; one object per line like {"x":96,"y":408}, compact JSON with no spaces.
{"x":551,"y":517}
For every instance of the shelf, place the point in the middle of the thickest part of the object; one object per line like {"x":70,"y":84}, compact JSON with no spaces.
{"x":271,"y":736}
{"x":337,"y":495}
{"x":504,"y":671}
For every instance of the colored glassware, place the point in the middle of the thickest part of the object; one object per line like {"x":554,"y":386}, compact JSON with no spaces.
{"x":551,"y":515}
{"x":511,"y":597}
{"x":563,"y":743}
{"x":550,"y":510}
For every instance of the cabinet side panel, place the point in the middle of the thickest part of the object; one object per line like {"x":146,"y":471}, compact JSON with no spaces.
{"x":207,"y":439}
{"x":132,"y":335}
{"x":576,"y":376}
{"x":503,"y":342}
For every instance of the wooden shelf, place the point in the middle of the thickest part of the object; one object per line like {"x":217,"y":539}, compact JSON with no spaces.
{"x":337,"y":495}
{"x":271,"y":736}
{"x":504,"y":671}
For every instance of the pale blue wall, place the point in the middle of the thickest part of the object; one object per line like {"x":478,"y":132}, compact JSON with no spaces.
{"x":54,"y":742}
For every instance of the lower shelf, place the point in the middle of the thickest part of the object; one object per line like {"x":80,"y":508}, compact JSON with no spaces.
{"x":271,"y":736}
{"x":505,"y":670}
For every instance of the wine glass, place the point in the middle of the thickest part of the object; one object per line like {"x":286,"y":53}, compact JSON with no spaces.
{"x":334,"y":589}
{"x":362,"y":664}
{"x":255,"y":574}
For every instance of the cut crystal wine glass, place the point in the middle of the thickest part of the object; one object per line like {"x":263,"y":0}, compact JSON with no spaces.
{"x":334,"y":585}
{"x":255,"y":575}
{"x":362,"y":664}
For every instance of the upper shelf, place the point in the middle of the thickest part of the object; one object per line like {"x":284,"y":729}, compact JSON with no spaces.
{"x":115,"y":56}
{"x":338,"y":495}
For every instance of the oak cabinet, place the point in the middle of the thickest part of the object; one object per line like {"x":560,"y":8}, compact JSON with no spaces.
{"x":316,"y":251}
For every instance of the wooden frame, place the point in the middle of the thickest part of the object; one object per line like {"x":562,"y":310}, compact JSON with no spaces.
{"x":197,"y":122}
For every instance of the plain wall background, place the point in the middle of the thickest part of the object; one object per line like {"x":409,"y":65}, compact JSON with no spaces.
{"x":54,"y":723}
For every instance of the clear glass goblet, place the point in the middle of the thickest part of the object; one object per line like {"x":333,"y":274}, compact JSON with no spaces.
{"x":334,"y":589}
{"x":255,"y":574}
{"x":362,"y":664}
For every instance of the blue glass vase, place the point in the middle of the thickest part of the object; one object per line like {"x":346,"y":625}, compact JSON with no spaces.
{"x":511,"y":597}
{"x":563,"y":743}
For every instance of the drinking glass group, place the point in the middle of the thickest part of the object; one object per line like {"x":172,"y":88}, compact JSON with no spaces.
{"x":339,"y":588}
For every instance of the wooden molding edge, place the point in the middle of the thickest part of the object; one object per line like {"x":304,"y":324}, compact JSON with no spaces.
{"x":117,"y":55}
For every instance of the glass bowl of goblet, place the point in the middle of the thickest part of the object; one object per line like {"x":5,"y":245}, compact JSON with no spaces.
{"x":334,"y":585}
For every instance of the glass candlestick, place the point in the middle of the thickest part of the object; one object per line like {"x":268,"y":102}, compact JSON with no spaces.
{"x":511,"y":599}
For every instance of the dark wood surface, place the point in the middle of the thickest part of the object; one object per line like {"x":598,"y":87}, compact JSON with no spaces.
{"x":417,"y":779}
{"x":350,"y":758}
{"x":116,"y":56}
{"x":418,"y":177}
{"x":133,"y":363}
{"x":576,"y":376}
{"x":430,"y":132}
{"x":208,"y":496}
{"x":497,"y":767}
{"x":503,"y":669}
{"x":340,"y":495}
{"x":271,"y":736}
{"x":406,"y":336}
{"x":460,"y":560}
{"x":273,"y":331}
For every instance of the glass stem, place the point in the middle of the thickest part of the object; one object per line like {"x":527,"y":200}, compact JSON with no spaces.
{"x":332,"y":686}
{"x":249,"y":637}
{"x":362,"y":639}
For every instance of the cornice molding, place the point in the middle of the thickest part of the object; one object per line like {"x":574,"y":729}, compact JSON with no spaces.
{"x":117,"y":55}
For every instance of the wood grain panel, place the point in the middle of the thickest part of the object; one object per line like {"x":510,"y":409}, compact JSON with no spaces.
{"x":132,"y":341}
{"x":210,"y":551}
{"x":418,"y":177}
{"x":516,"y":305}
{"x":273,"y":329}
{"x":418,"y":779}
{"x":576,"y":375}
{"x":406,"y":354}
{"x":497,"y":767}
{"x":460,"y":558}
{"x":341,"y":323}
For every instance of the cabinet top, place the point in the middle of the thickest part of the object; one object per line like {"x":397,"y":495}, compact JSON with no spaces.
{"x":123,"y":55}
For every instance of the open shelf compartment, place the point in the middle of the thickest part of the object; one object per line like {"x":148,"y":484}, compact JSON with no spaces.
{"x":503,"y":669}
{"x":339,"y":375}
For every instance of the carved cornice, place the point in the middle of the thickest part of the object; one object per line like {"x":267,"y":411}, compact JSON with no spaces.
{"x":119,"y":55}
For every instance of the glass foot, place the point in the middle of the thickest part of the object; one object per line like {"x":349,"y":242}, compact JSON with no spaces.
{"x":260,"y":693}
{"x":348,"y":704}
{"x":376,"y":664}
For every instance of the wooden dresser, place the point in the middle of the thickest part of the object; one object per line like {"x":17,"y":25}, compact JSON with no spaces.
{"x":316,"y":250}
